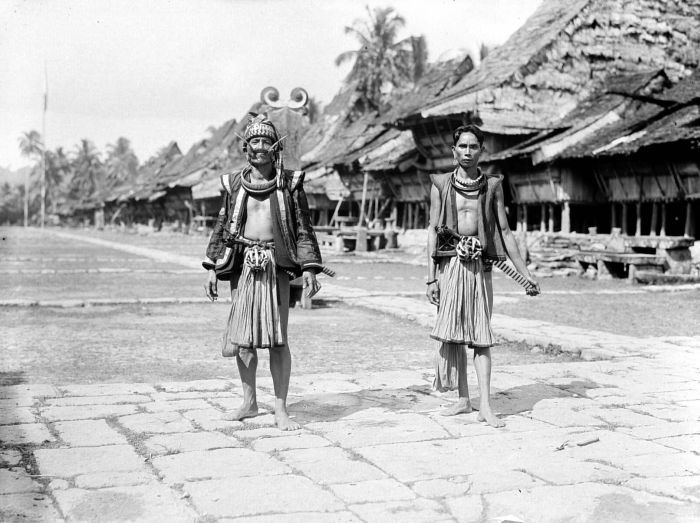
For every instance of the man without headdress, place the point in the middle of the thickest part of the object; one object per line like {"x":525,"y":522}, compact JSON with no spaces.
{"x":262,"y":239}
{"x":468,"y":233}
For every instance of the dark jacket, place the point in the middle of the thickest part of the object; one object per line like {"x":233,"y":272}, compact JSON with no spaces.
{"x":487,"y":221}
{"x":296,"y":247}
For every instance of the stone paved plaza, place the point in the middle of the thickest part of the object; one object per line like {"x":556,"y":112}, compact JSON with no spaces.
{"x":612,"y":436}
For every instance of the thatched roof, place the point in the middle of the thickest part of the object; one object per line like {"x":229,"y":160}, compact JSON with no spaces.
{"x":602,"y":109}
{"x":651,"y":126}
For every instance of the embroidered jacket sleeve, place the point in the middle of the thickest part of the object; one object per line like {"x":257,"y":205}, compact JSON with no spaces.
{"x":216,"y":246}
{"x":308,"y":253}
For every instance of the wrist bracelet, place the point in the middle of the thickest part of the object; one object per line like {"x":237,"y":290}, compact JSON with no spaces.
{"x":431,"y":282}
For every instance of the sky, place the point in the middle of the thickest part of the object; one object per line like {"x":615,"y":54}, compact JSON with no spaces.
{"x":161,"y":70}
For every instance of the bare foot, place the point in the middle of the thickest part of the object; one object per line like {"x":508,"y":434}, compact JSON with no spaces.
{"x":463,"y":406}
{"x":284,"y":422}
{"x":489,"y":417}
{"x":244,"y":411}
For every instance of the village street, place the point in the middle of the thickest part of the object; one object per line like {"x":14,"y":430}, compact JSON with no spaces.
{"x":112,"y":389}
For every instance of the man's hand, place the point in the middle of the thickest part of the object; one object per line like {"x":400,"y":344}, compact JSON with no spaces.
{"x":433,"y":293}
{"x":534,"y":288}
{"x":210,"y":287}
{"x":310,"y":284}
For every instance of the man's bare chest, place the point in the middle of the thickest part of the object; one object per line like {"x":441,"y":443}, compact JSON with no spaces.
{"x":467,"y":202}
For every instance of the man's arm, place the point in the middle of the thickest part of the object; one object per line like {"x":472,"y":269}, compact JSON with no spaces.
{"x":308,"y":253}
{"x":433,"y":290}
{"x":509,"y":241}
{"x":215,"y":249}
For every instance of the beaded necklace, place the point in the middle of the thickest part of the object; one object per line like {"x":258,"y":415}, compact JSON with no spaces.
{"x":257,"y":188}
{"x":468,"y":185}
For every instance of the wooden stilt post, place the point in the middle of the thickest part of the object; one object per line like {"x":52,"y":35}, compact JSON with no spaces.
{"x":689,"y":225}
{"x":654,"y":218}
{"x":662,"y":232}
{"x":624,"y":218}
{"x":525,"y":218}
{"x":519,"y":220}
{"x":550,"y":224}
{"x":543,"y":218}
{"x":638,"y":220}
{"x":613,"y":215}
{"x":565,"y":218}
{"x":361,"y":221}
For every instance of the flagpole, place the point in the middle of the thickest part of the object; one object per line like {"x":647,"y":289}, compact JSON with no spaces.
{"x":43,"y":148}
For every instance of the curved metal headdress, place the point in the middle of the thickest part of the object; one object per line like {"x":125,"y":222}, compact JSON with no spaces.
{"x":298,"y":98}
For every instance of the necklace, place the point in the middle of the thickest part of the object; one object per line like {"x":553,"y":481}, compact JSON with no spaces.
{"x":257,"y":188}
{"x":468,"y":184}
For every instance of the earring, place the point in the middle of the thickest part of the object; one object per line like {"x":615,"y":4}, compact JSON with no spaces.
{"x":454,"y":161}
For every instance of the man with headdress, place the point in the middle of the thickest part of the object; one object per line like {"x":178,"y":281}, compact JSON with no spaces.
{"x":262,"y":239}
{"x":468,"y":233}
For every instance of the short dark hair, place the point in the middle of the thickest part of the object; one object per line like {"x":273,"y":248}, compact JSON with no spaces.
{"x":470,"y":128}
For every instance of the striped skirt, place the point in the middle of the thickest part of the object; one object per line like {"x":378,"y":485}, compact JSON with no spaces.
{"x":254,"y":321}
{"x":463,"y":318}
{"x":463,"y":315}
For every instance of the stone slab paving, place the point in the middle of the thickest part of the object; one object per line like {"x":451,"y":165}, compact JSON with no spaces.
{"x":603,"y":440}
{"x":585,"y":441}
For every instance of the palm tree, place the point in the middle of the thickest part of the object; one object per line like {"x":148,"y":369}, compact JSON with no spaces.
{"x":88,"y":171}
{"x":30,"y":146}
{"x":58,"y":169}
{"x":121,"y":163}
{"x":381,"y":62}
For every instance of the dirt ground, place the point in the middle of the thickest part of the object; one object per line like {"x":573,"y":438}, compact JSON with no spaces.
{"x":172,"y":341}
{"x":137,"y":343}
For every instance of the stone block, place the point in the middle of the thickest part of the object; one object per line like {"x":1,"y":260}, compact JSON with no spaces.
{"x":676,"y":464}
{"x":88,"y":433}
{"x":440,"y":488}
{"x":328,"y":465}
{"x":563,"y":417}
{"x":663,"y":430}
{"x":86,"y":412}
{"x":688,"y":442}
{"x":107,"y":389}
{"x":560,"y":469}
{"x":305,"y":517}
{"x":600,"y":503}
{"x":176,"y":405}
{"x":620,"y":417}
{"x":385,"y":427}
{"x":686,"y":488}
{"x":156,"y":423}
{"x":95,"y":480}
{"x":28,"y":506}
{"x":28,"y":391}
{"x":211,"y":419}
{"x":252,"y":434}
{"x":66,"y":463}
{"x":300,"y":440}
{"x":13,"y":415}
{"x":218,"y":463}
{"x":373,"y":491}
{"x":195,"y":385}
{"x":417,"y":510}
{"x":469,"y":509}
{"x":147,"y":503}
{"x":72,"y":401}
{"x":188,"y":442}
{"x":284,"y":494}
{"x":25,"y":434}
{"x":17,"y":480}
{"x":10,"y":458}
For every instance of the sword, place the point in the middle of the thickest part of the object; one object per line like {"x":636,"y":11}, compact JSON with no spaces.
{"x":507,"y":268}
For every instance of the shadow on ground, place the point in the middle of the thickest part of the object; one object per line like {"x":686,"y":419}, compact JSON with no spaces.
{"x":335,"y":406}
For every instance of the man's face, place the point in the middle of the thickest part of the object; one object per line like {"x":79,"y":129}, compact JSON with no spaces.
{"x":467,"y":150}
{"x":259,"y":150}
